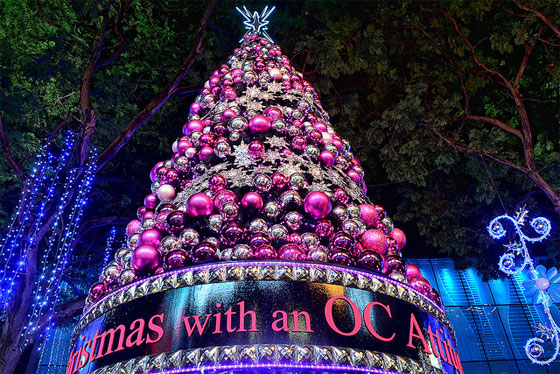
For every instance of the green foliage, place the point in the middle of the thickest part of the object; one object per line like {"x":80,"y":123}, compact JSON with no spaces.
{"x":380,"y":72}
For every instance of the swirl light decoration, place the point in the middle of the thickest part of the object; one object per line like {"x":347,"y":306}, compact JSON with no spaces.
{"x":518,"y":249}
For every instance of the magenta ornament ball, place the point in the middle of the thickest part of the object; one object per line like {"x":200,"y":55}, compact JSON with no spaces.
{"x":195,"y":107}
{"x":150,"y":201}
{"x":146,"y":258}
{"x":200,"y":204}
{"x":317,"y":204}
{"x":374,"y":240}
{"x":371,"y":260}
{"x":327,"y":158}
{"x":204,"y":252}
{"x":422,"y":285}
{"x":151,"y":237}
{"x":252,"y":200}
{"x":412,"y":272}
{"x":273,"y":113}
{"x":205,"y":153}
{"x":399,"y":236}
{"x":192,"y":126}
{"x":96,"y":291}
{"x":166,"y":192}
{"x":265,"y":252}
{"x":368,"y":214}
{"x":177,"y":259}
{"x":260,"y":124}
{"x":133,"y":226}
{"x":291,"y":252}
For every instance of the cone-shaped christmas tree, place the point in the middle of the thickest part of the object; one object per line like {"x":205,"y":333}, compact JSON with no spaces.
{"x":258,"y":183}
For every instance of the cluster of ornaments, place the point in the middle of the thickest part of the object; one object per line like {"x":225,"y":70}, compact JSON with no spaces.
{"x":275,"y":216}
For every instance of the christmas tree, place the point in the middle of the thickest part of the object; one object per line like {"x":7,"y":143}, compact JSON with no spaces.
{"x":258,"y":247}
{"x":259,"y":173}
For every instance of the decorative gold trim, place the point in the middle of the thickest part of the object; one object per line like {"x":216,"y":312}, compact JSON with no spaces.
{"x":265,"y":271}
{"x":283,"y":356}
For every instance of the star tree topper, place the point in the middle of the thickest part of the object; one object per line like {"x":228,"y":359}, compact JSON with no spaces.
{"x":256,"y":22}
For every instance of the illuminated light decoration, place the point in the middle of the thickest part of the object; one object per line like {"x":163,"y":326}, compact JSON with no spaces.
{"x":109,"y":247}
{"x":507,"y":264}
{"x":58,"y":186}
{"x":255,"y":22}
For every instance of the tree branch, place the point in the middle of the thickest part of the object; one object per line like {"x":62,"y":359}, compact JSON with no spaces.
{"x":157,"y":102}
{"x":56,"y":25}
{"x":8,"y":154}
{"x":479,"y":152}
{"x":545,"y":20}
{"x":184,"y":90}
{"x":528,"y":50}
{"x":495,"y":122}
{"x":123,"y":42}
{"x":62,"y":313}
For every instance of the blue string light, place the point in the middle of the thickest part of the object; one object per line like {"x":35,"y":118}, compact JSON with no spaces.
{"x":533,"y":347}
{"x":51,"y":205}
{"x":110,"y":246}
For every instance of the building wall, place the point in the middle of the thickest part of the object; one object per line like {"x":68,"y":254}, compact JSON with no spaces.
{"x":493,"y":320}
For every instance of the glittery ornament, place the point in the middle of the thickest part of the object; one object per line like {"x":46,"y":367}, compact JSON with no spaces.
{"x":256,"y":149}
{"x":262,"y":182}
{"x":412,"y":272}
{"x":374,"y":240}
{"x":399,"y":236}
{"x":279,"y":181}
{"x":242,"y":252}
{"x":258,"y":225}
{"x":297,"y":181}
{"x":215,"y":222}
{"x":170,"y":243}
{"x":230,"y":211}
{"x":293,"y":220}
{"x":324,"y":229}
{"x":189,"y":238}
{"x":279,"y":232}
{"x":272,"y":210}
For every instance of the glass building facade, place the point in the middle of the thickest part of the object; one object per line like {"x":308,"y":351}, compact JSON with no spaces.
{"x":493,"y":320}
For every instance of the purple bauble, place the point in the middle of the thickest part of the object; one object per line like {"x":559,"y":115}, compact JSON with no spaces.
{"x":260,"y":124}
{"x":192,"y":126}
{"x":204,"y":252}
{"x":265,"y":252}
{"x":342,"y":258}
{"x":177,"y":259}
{"x":412,"y":272}
{"x":146,"y":258}
{"x":195,"y":107}
{"x":317,"y":204}
{"x":341,"y":241}
{"x":256,"y":149}
{"x":368,"y":214}
{"x":324,"y":229}
{"x":371,"y":260}
{"x":273,"y":113}
{"x":279,"y":181}
{"x":232,"y":233}
{"x":422,"y":285}
{"x":205,"y":153}
{"x":395,"y":264}
{"x":374,"y":240}
{"x":399,"y":236}
{"x":227,"y":115}
{"x":133,"y":226}
{"x":96,"y":291}
{"x":200,"y":204}
{"x":217,"y":183}
{"x":151,"y":237}
{"x":223,"y":197}
{"x":151,"y":201}
{"x":175,"y":222}
{"x":252,"y":200}
{"x":291,"y":252}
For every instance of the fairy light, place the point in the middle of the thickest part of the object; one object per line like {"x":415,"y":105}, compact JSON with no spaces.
{"x":507,"y":264}
{"x":60,"y":242}
{"x":109,"y":247}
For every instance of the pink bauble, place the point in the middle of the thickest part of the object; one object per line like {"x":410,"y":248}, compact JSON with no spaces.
{"x":153,"y":175}
{"x":260,"y":124}
{"x":96,"y":291}
{"x":273,"y":113}
{"x":327,"y":158}
{"x":422,"y":285}
{"x":279,"y":181}
{"x":133,"y":226}
{"x":195,"y":107}
{"x":265,"y":252}
{"x":252,"y":200}
{"x":146,"y":258}
{"x":150,"y":201}
{"x":148,"y":214}
{"x":374,"y":240}
{"x":291,"y":252}
{"x":192,"y":126}
{"x":177,"y":259}
{"x":399,"y":236}
{"x":223,"y":197}
{"x":205,"y":153}
{"x":368,"y":214}
{"x":317,"y":204}
{"x":354,"y":175}
{"x":151,"y":237}
{"x":140,"y":212}
{"x":227,"y":115}
{"x":166,"y":192}
{"x":256,"y":149}
{"x":412,"y":272}
{"x":320,"y":126}
{"x":200,"y":204}
{"x":183,"y":145}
